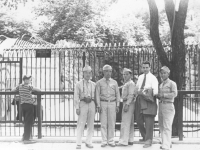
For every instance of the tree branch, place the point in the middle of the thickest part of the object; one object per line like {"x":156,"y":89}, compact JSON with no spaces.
{"x":183,"y":6}
{"x":154,"y":33}
{"x":169,"y":8}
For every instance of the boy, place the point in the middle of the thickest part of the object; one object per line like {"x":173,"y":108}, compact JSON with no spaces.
{"x":27,"y":106}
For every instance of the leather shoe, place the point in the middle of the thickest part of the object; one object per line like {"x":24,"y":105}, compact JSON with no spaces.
{"x":29,"y":142}
{"x":119,"y":144}
{"x":146,"y":145}
{"x":141,"y":140}
{"x":103,"y":145}
{"x":78,"y":147}
{"x":130,"y":143}
{"x":112,"y":145}
{"x":89,"y":145}
{"x":162,"y":148}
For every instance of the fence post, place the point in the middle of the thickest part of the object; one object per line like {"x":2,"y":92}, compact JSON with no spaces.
{"x":198,"y":64}
{"x":39,"y":116}
{"x":84,"y":58}
{"x":180,"y":116}
{"x":21,"y":69}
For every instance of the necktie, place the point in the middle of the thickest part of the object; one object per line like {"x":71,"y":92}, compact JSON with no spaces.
{"x":144,"y":81}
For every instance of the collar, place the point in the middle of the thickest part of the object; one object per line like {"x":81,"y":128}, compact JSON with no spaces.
{"x":25,"y":84}
{"x":165,"y":81}
{"x":127,"y":81}
{"x":86,"y":81}
{"x":147,"y":73}
{"x":106,"y":79}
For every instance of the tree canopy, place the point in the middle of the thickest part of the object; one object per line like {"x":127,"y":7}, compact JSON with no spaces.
{"x":91,"y":21}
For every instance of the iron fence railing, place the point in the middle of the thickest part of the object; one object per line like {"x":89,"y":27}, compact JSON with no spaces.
{"x":58,"y":69}
{"x":189,"y":116}
{"x":58,"y":121}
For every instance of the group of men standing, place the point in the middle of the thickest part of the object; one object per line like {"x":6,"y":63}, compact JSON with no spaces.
{"x":140,"y":98}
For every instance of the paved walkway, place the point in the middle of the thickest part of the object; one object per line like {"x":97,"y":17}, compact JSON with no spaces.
{"x":68,"y":143}
{"x":71,"y":146}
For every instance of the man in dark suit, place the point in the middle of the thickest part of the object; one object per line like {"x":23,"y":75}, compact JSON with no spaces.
{"x":146,"y":107}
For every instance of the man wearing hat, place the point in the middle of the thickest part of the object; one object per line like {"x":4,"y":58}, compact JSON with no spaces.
{"x":145,"y":106}
{"x":27,"y":107}
{"x":84,"y":94}
{"x":166,"y":95}
{"x":107,"y":99}
{"x":128,"y":97}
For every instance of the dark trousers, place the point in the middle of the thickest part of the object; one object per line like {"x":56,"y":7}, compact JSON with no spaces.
{"x":28,"y":113}
{"x":145,"y":123}
{"x":35,"y":111}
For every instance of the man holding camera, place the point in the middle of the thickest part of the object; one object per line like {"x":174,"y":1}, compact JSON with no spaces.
{"x":85,"y":107}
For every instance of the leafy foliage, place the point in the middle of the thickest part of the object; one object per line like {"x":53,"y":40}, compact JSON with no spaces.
{"x":12,"y":27}
{"x":91,"y":21}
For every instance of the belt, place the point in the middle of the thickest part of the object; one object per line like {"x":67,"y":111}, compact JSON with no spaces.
{"x":84,"y":100}
{"x":125,"y":100}
{"x":165,"y":102}
{"x":103,"y":100}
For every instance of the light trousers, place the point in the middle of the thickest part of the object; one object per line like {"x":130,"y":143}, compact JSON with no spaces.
{"x":108,"y":120}
{"x":166,"y":116}
{"x":127,"y":125}
{"x":87,"y":114}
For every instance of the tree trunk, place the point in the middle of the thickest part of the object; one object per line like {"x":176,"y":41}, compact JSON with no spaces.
{"x":154,"y":33}
{"x":177,"y":63}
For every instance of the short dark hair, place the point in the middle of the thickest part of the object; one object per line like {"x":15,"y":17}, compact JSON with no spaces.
{"x":25,"y":77}
{"x":147,"y":62}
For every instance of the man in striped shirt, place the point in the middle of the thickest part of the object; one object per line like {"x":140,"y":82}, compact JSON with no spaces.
{"x":25,"y":92}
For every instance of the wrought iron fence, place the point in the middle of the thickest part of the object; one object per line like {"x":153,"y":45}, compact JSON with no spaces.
{"x":59,"y":68}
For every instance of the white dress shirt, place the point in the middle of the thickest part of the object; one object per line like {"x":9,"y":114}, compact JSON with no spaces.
{"x":151,"y":82}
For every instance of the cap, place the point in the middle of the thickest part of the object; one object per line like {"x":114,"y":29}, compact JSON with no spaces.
{"x":166,"y":69}
{"x":87,"y":68}
{"x":127,"y":70}
{"x":107,"y":67}
{"x":26,"y":77}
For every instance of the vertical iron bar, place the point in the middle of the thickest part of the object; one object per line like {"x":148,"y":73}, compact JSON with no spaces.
{"x":84,"y":58}
{"x":64,"y":74}
{"x":20,"y":73}
{"x":39,"y":116}
{"x":128,"y":58}
{"x":180,"y":116}
{"x":133,"y":62}
{"x":70,"y":53}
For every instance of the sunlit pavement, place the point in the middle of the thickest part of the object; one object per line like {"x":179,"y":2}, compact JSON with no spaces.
{"x":68,"y":143}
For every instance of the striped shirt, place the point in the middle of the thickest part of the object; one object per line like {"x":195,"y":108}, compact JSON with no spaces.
{"x":25,"y":93}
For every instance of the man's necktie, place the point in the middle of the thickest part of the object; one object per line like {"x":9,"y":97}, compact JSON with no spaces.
{"x":144,"y":81}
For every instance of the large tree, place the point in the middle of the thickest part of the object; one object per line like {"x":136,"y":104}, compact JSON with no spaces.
{"x":176,"y":19}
